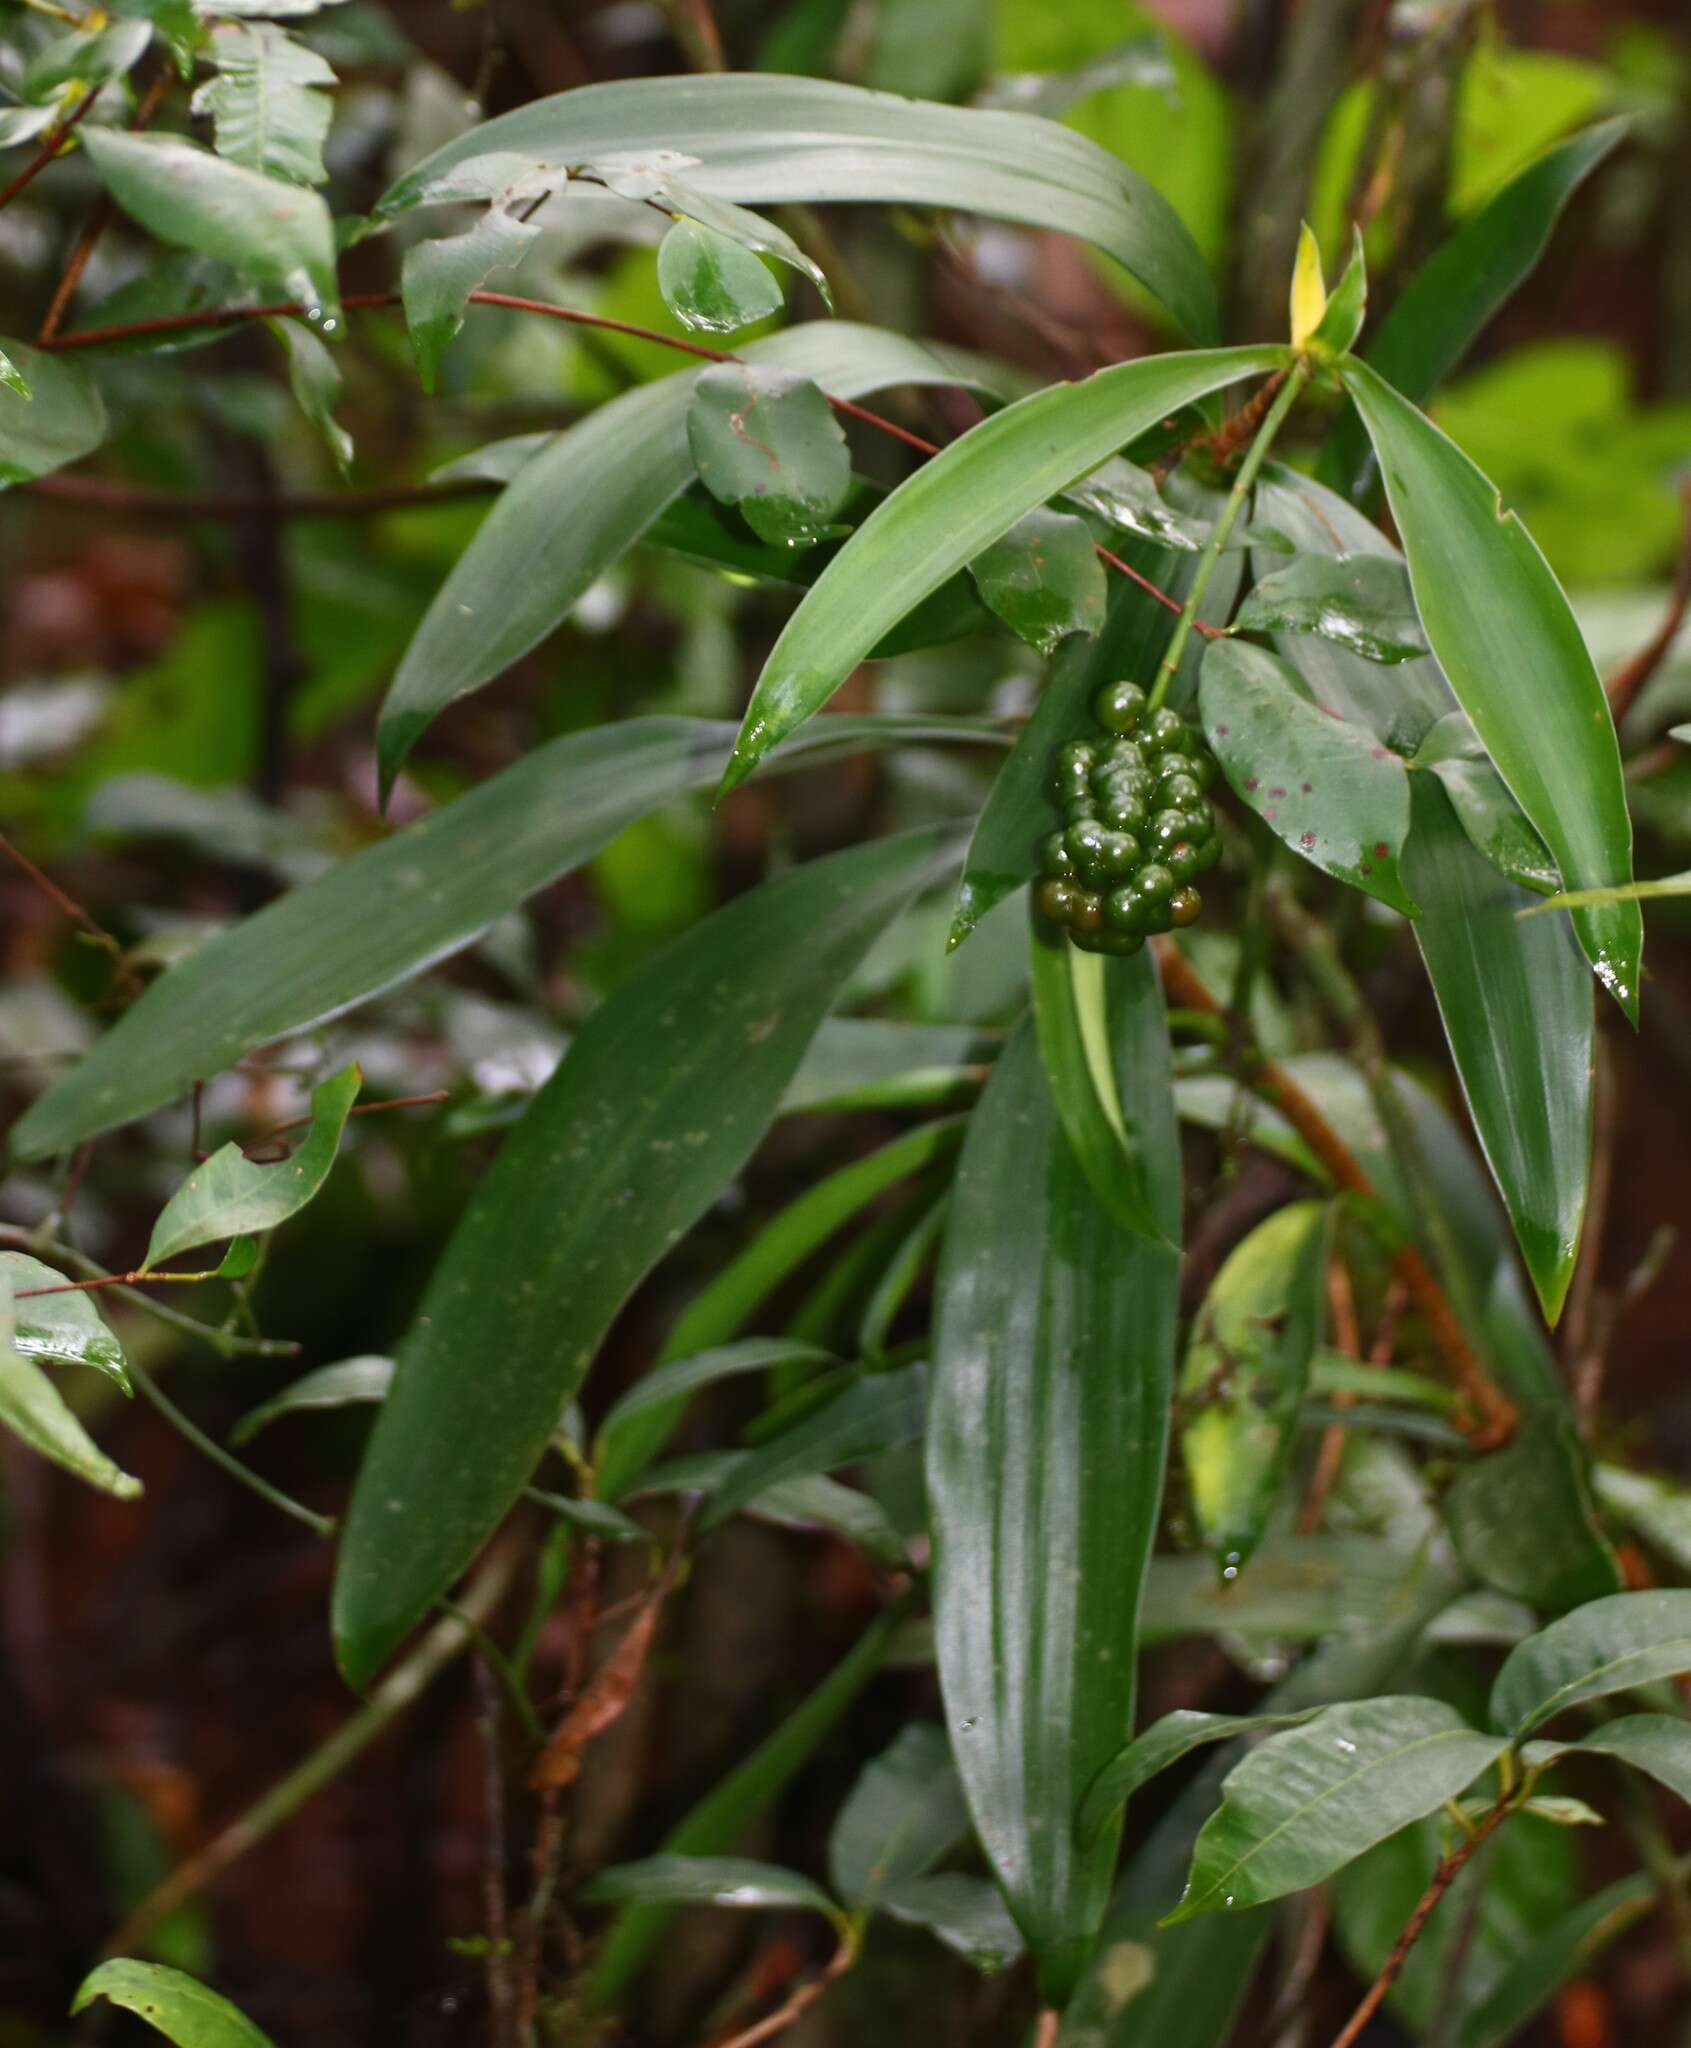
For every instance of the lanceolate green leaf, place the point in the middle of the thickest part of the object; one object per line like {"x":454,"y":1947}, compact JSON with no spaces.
{"x":655,"y":1107}
{"x":1565,"y":1949}
{"x":1305,"y":1803}
{"x":65,"y":1326}
{"x":365,"y":1378}
{"x":1051,"y":1380}
{"x":781,"y":139}
{"x":577,"y":504}
{"x":667,"y":1387}
{"x":32,"y":1408}
{"x":708,"y":1881}
{"x":1657,"y":1744}
{"x":1607,"y":1646}
{"x":176,"y":2005}
{"x":905,"y":1811}
{"x":872,"y":1415}
{"x":1165,"y":1742}
{"x":51,"y":413}
{"x":1509,"y":645}
{"x":953,"y":508}
{"x":967,"y":1913}
{"x":1517,"y":1008}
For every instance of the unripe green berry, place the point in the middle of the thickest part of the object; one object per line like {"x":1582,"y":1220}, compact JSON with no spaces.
{"x":1107,"y":941}
{"x":1118,"y":753}
{"x":1165,"y":732}
{"x":1055,"y":859}
{"x":1182,"y":860}
{"x":1084,"y":842}
{"x":1119,"y":706}
{"x":1154,"y":883}
{"x":1078,"y":809}
{"x":1124,"y":910}
{"x":1181,"y":791}
{"x":1167,"y":829}
{"x":1123,"y":810}
{"x":1119,"y":853}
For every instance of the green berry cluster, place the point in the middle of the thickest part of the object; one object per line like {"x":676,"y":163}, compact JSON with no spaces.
{"x":1139,"y":827}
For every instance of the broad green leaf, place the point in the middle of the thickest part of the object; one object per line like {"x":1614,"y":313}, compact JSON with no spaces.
{"x":708,"y":1881}
{"x":1164,"y":1743}
{"x":1517,"y":1009}
{"x":782,"y":139}
{"x":654,"y":1109}
{"x":684,"y":201}
{"x":713,"y":284}
{"x":315,"y":378}
{"x":1361,"y":601}
{"x":265,"y":103}
{"x":1495,"y":824}
{"x":1128,"y":497}
{"x":967,"y":1913}
{"x":1329,"y":789}
{"x":668,"y":1385}
{"x":1657,"y":1744}
{"x":172,"y":2003}
{"x":364,"y":1378}
{"x":51,"y":413}
{"x":1052,"y":1371}
{"x":32,"y":1408}
{"x":1522,"y":1520}
{"x":268,"y":230}
{"x":1043,"y":578}
{"x":1071,"y":998}
{"x":1509,"y":645}
{"x":228,"y":1195}
{"x":1656,"y":1508}
{"x":1562,"y":1950}
{"x":1305,"y":1803}
{"x":437,"y":278}
{"x":576,"y":505}
{"x":66,"y":1327}
{"x":1605,"y":1647}
{"x":722,"y":1817}
{"x":1450,"y":299}
{"x":1243,"y":1381}
{"x":952,"y":508}
{"x":872,"y":1415}
{"x":903,"y":1814}
{"x":765,"y":440}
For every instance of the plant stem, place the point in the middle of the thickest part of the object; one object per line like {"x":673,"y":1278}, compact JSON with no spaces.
{"x":324,"y":1525}
{"x":1255,"y":455}
{"x":806,"y":1995}
{"x":53,"y":140}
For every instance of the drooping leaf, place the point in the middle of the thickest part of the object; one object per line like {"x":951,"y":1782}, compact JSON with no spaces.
{"x":66,"y":1327}
{"x":872,"y":1415}
{"x":264,"y":228}
{"x":1329,"y":789}
{"x":51,"y":413}
{"x":1496,"y":825}
{"x":174,"y":2004}
{"x":669,"y":189}
{"x":1605,"y":1647}
{"x":437,"y":278}
{"x":1509,"y":645}
{"x":315,"y":378}
{"x":708,"y":1881}
{"x":1659,"y":1745}
{"x":903,"y":1814}
{"x":1043,"y":578}
{"x":1517,"y":1010}
{"x":967,"y":1913}
{"x":11,"y":377}
{"x":781,"y":139}
{"x":1244,"y":1376}
{"x":656,"y":1106}
{"x":1164,"y":1743}
{"x":1052,"y":1371}
{"x":365,"y":1378}
{"x":24,"y":124}
{"x":955,"y":506}
{"x":229,"y":1195}
{"x":266,"y":102}
{"x":713,"y":284}
{"x":1308,"y":1801}
{"x":1522,"y":1519}
{"x":1361,"y":601}
{"x":765,"y":440}
{"x":32,"y":1408}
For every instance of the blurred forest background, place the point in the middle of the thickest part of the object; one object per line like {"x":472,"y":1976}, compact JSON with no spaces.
{"x":186,"y":713}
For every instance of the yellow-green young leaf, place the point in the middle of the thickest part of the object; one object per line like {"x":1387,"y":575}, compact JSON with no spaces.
{"x":33,"y":1410}
{"x":1043,"y":578}
{"x":173,"y":2004}
{"x":1605,"y":1647}
{"x":65,"y":1326}
{"x":1503,"y":632}
{"x":228,"y":1196}
{"x":1308,"y":1801}
{"x":712,"y":283}
{"x":655,"y":1107}
{"x":1309,"y":289}
{"x":1246,"y":1370}
{"x":903,"y":1814}
{"x":51,"y":413}
{"x":1523,"y":1522}
{"x":765,"y":440}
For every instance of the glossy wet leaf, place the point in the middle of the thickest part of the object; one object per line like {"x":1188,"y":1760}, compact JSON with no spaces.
{"x":654,"y":1109}
{"x":1517,"y":1008}
{"x":954,"y":507}
{"x":66,"y":1327}
{"x":1308,"y":1801}
{"x":437,"y":278}
{"x":734,"y":225}
{"x":1052,"y":1372}
{"x":1329,"y":789}
{"x":275,"y":232}
{"x":874,"y":1414}
{"x":174,"y":2004}
{"x":32,"y":1408}
{"x":1128,"y":497}
{"x":228,"y":1194}
{"x":266,"y":104}
{"x":1361,"y":601}
{"x":1043,"y":578}
{"x":903,"y":1814}
{"x":713,"y":284}
{"x":1605,"y":1647}
{"x":1496,"y":825}
{"x":1244,"y":1377}
{"x":51,"y":413}
{"x":1164,"y":1743}
{"x":967,"y":1913}
{"x":1503,"y":633}
{"x":708,"y":1881}
{"x":782,"y":139}
{"x":766,"y":441}
{"x":1523,"y":1522}
{"x":356,"y":1380}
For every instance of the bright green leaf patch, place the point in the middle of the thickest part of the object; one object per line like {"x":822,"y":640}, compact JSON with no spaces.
{"x":51,"y":413}
{"x":1043,"y":578}
{"x":172,"y":2003}
{"x":266,"y":102}
{"x":1361,"y":601}
{"x":766,"y":441}
{"x":32,"y":1408}
{"x":711,"y":283}
{"x":436,"y":279}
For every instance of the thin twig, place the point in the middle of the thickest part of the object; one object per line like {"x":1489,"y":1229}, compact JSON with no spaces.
{"x":1624,"y":685}
{"x":806,"y":1995}
{"x":99,"y":214}
{"x":244,"y":1475}
{"x":1347,"y":1338}
{"x":293,"y":1123}
{"x":57,"y":896}
{"x":50,"y":146}
{"x":498,"y":1958}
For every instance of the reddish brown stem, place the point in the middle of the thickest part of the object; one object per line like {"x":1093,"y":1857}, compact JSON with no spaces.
{"x":360,"y":1109}
{"x":806,"y":1995}
{"x":50,"y":146}
{"x":99,"y":216}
